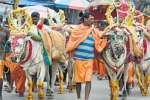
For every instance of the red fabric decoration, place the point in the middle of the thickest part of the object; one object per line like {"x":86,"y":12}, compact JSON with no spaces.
{"x":123,"y":10}
{"x":145,"y":46}
{"x":29,"y":45}
{"x":40,"y":26}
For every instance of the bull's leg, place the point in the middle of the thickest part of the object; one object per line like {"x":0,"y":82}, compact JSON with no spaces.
{"x":40,"y":90}
{"x":41,"y":74}
{"x":34,"y":78}
{"x":147,"y":80}
{"x":61,"y":78}
{"x":125,"y":77}
{"x":121,"y":85}
{"x":30,"y":92}
{"x":113,"y":83}
{"x":146,"y":83}
{"x":30,"y":85}
{"x":71,"y":84}
{"x":139,"y":79}
{"x":54,"y":71}
{"x":114,"y":89}
{"x":48,"y":92}
{"x":130,"y":74}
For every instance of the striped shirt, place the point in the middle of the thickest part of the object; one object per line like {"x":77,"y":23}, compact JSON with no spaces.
{"x":86,"y":49}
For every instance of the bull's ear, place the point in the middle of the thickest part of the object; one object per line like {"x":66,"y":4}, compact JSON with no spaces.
{"x":27,"y":38}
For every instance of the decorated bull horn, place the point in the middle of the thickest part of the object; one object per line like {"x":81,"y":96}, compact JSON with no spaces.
{"x":19,"y":22}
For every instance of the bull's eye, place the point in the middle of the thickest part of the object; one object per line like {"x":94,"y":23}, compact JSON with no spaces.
{"x":112,"y":37}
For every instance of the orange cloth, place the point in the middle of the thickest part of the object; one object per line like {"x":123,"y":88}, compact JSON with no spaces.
{"x":101,"y":68}
{"x":80,"y":33}
{"x":95,"y":66}
{"x":131,"y":72}
{"x":83,"y":70}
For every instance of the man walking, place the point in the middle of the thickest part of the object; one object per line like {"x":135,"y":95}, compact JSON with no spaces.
{"x":81,"y":45}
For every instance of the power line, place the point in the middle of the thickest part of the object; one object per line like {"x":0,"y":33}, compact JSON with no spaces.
{"x":6,"y":3}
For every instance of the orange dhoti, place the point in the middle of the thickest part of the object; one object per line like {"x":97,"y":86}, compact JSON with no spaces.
{"x":83,"y":70}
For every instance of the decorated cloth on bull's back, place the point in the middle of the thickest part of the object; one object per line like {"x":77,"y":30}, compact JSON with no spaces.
{"x":54,"y":43}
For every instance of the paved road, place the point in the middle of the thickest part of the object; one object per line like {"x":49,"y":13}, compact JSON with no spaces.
{"x":100,"y":91}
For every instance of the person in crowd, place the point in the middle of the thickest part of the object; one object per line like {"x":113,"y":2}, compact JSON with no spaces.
{"x":83,"y":41}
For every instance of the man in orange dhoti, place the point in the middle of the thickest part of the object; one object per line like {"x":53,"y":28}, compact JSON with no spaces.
{"x":81,"y":46}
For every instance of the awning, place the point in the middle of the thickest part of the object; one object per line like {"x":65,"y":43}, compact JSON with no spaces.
{"x":36,"y":2}
{"x":72,"y":4}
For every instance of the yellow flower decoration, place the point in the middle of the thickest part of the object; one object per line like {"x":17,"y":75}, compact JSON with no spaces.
{"x":19,"y":21}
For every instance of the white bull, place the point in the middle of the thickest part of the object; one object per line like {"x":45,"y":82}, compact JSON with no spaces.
{"x":28,"y":53}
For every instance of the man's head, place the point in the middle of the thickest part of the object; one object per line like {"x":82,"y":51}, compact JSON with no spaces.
{"x":88,"y":19}
{"x":35,"y":17}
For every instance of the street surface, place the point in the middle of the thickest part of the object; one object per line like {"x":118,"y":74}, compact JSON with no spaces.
{"x":100,"y":91}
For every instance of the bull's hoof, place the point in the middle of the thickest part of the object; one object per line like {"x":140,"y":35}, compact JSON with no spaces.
{"x":144,"y":92}
{"x":41,"y":97}
{"x":29,"y":97}
{"x":61,"y":91}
